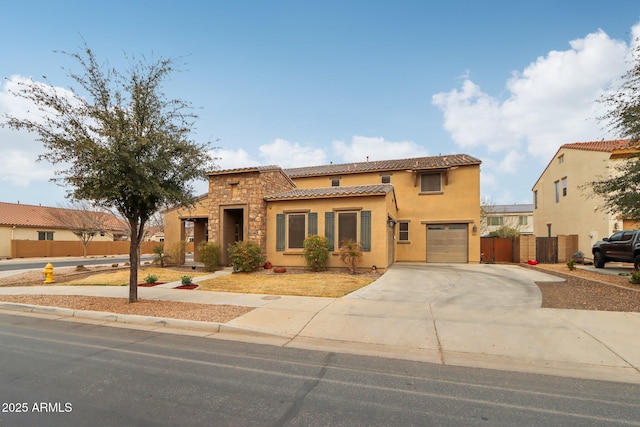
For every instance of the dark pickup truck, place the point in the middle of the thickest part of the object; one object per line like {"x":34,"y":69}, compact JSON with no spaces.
{"x":623,"y":246}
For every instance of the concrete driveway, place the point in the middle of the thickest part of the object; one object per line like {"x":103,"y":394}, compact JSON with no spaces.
{"x":478,"y":286}
{"x":483,"y":315}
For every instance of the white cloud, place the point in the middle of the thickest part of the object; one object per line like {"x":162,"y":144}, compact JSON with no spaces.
{"x":291,"y":154}
{"x":375,"y":148}
{"x":233,"y":159}
{"x":20,"y":169}
{"x":511,"y":161}
{"x":19,"y":149}
{"x":549,"y":103}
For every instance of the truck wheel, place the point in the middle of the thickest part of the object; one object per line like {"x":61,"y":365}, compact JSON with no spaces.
{"x":636,"y":263}
{"x":598,"y":260}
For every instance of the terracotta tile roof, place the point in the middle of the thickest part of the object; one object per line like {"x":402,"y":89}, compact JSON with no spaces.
{"x":604,"y":146}
{"x":40,"y":216}
{"x":328,"y":192}
{"x":247,"y":169}
{"x":418,"y":163}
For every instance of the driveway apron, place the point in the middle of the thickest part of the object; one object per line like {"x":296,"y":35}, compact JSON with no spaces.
{"x":483,"y":315}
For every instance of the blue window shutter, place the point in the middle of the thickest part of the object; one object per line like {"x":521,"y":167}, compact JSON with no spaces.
{"x":279,"y":232}
{"x":365,"y":231}
{"x":313,"y":223}
{"x":329,"y":228}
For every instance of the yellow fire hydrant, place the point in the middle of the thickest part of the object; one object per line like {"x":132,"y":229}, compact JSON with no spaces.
{"x":48,"y":273}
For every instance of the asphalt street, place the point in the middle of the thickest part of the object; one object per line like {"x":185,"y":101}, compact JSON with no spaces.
{"x":59,"y":373}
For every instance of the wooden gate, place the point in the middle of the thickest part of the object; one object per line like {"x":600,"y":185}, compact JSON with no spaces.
{"x":496,"y":249}
{"x":547,"y":250}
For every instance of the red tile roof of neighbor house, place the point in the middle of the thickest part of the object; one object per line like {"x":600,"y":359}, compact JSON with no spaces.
{"x":326,"y":192}
{"x":418,"y":163}
{"x":41,"y":216}
{"x":604,"y":146}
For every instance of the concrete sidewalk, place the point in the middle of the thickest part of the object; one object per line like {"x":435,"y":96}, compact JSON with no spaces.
{"x":484,"y":315}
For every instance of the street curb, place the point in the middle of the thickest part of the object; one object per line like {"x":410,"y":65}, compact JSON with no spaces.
{"x":213,"y":327}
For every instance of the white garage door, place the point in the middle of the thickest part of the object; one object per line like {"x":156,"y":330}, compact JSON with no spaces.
{"x":447,"y":243}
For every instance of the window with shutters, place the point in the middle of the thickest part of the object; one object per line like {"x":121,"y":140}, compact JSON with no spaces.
{"x":292,"y":228}
{"x":342,"y":226}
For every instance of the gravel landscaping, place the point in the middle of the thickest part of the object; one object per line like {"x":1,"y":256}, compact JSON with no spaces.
{"x":587,"y":290}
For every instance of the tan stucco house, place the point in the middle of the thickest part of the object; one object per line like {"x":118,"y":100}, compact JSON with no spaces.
{"x":42,"y":223}
{"x":423,"y":209}
{"x":561,"y":203}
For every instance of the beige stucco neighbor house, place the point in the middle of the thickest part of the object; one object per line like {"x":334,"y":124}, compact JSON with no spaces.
{"x":562,"y":206}
{"x":423,"y":209}
{"x":30,"y":222}
{"x":516,"y":216}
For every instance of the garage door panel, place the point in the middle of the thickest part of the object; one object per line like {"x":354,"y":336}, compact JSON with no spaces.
{"x":447,"y":243}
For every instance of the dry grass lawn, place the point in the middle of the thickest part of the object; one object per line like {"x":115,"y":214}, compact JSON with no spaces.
{"x":297,"y":282}
{"x":121,"y":277}
{"x":323,"y":284}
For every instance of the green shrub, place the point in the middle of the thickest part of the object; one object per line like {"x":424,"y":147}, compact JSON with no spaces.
{"x":150,"y":279}
{"x":246,"y":256}
{"x":209,"y":253}
{"x":159,"y":256}
{"x":635,"y":278}
{"x":350,"y":253}
{"x":177,"y":252}
{"x":571,"y":264}
{"x":316,"y":252}
{"x":186,"y":280}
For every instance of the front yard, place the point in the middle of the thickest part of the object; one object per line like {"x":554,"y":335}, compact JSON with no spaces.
{"x":330,"y":283}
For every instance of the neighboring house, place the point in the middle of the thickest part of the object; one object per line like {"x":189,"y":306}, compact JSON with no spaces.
{"x":421,"y":210}
{"x":516,"y":216}
{"x":29,"y":222}
{"x":562,"y":205}
{"x":154,"y":234}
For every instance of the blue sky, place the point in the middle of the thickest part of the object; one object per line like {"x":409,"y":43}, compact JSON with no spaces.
{"x":299,"y":83}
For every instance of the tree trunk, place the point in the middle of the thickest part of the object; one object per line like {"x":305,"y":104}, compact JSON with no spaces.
{"x":134,"y":260}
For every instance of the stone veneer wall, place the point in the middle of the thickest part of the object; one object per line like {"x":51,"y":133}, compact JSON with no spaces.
{"x":248,"y":188}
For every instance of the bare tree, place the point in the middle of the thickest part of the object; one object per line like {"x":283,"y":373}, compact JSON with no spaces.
{"x":85,"y":222}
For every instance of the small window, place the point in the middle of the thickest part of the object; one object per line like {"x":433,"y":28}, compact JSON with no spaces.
{"x":45,"y":235}
{"x":557,"y":184}
{"x":564,"y":187}
{"x":535,"y":199}
{"x":335,"y":182}
{"x":403,"y":231}
{"x":495,"y":220}
{"x":297,"y":227}
{"x":430,"y":183}
{"x":386,"y":179}
{"x":561,"y":159}
{"x":523,"y":220}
